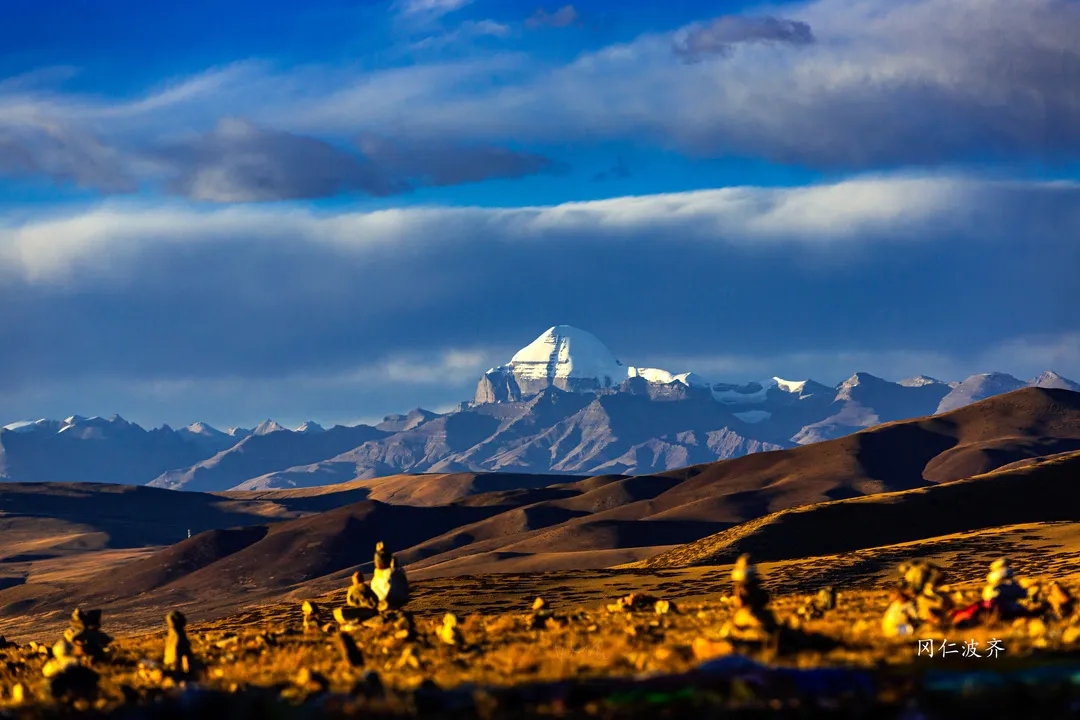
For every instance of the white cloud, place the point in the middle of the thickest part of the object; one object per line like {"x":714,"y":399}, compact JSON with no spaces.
{"x":854,"y":212}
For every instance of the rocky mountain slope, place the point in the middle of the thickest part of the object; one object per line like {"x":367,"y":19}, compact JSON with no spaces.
{"x":562,"y":404}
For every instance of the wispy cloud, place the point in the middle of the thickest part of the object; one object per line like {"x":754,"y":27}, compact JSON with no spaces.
{"x":719,"y":37}
{"x":467,"y":32}
{"x":430,"y":8}
{"x":563,"y":17}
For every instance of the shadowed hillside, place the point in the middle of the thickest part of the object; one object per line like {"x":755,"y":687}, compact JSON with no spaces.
{"x":1040,"y":491}
{"x":776,"y":505}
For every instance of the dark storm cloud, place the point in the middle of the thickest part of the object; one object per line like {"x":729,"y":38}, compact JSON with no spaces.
{"x":719,"y":37}
{"x":239,"y":162}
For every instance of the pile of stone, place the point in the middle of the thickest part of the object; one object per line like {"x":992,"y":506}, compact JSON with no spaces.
{"x":68,"y":668}
{"x":816,"y":606}
{"x":1006,"y":597}
{"x":919,"y":599}
{"x":753,"y":620}
{"x":387,"y":592}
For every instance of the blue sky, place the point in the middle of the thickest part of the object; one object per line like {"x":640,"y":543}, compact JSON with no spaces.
{"x":228,"y":211}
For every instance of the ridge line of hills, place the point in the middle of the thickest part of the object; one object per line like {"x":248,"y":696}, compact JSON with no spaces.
{"x":1002,"y":461}
{"x":563,"y":405}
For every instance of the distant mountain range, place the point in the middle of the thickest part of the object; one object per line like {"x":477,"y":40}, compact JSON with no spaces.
{"x":563,"y":404}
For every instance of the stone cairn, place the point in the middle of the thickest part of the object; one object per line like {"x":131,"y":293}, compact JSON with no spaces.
{"x":389,"y":582}
{"x":816,"y":606}
{"x":85,"y":635}
{"x":83,"y":643}
{"x":388,"y":591}
{"x":179,"y":658}
{"x":919,"y":598}
{"x":753,"y":620}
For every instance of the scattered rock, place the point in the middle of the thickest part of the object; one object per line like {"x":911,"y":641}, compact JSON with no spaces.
{"x":449,"y":632}
{"x":706,"y":649}
{"x":63,"y":658}
{"x":313,"y":619}
{"x":633,"y":602}
{"x":348,"y":618}
{"x":408,"y":659}
{"x":1059,"y":600}
{"x":360,"y":595}
{"x":369,"y":685}
{"x":68,"y":679}
{"x":350,"y":653}
{"x":311,"y":681}
{"x":900,"y":617}
{"x":86,"y":635}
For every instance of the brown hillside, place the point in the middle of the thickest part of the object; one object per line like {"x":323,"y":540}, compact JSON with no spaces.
{"x":1044,"y":491}
{"x":587,"y":523}
{"x":889,"y":457}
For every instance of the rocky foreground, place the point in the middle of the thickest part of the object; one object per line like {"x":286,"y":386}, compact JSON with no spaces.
{"x":637,"y":656}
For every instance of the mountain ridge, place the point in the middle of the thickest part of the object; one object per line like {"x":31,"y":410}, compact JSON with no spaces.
{"x":563,"y":404}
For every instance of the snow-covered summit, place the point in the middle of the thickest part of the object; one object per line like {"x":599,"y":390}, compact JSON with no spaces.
{"x":571,"y":359}
{"x":563,"y":351}
{"x":1051,"y":379}
{"x":574,"y":360}
{"x":266,"y":427}
{"x":201,"y":428}
{"x":311,"y":428}
{"x":27,"y":425}
{"x":919,"y":381}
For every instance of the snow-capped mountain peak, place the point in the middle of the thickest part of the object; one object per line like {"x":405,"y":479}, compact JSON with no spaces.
{"x":266,"y":427}
{"x":563,"y":351}
{"x":1051,"y":379}
{"x":201,"y":428}
{"x":310,"y":427}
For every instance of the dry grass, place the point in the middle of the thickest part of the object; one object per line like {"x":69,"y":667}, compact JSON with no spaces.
{"x":258,"y":655}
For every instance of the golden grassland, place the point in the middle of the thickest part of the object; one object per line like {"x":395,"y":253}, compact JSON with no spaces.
{"x":266,"y":654}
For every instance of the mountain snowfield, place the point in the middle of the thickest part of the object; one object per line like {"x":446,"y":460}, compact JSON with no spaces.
{"x":562,"y":404}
